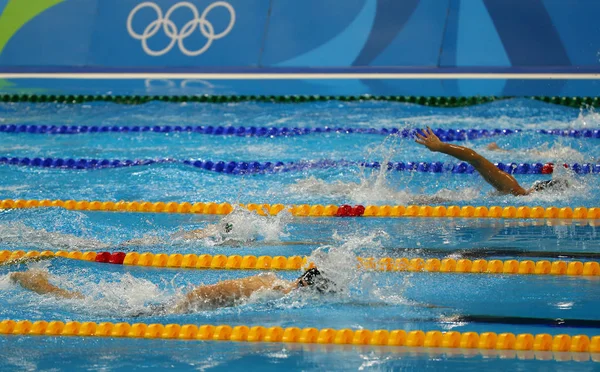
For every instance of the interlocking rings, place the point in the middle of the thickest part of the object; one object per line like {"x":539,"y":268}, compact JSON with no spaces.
{"x":171,"y":30}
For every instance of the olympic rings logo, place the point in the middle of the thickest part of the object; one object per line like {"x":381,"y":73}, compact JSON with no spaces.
{"x":176,"y":35}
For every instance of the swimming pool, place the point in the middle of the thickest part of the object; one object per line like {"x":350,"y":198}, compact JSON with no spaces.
{"x":371,"y":299}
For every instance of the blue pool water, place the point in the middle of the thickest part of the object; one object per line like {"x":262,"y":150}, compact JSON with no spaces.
{"x":369,"y":300}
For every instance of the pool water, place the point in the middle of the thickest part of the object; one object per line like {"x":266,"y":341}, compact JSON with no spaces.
{"x":370,"y":300}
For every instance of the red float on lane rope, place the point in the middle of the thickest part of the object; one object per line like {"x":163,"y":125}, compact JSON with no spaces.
{"x":117,"y":258}
{"x":103,"y":257}
{"x":348,"y":211}
{"x":358,"y":211}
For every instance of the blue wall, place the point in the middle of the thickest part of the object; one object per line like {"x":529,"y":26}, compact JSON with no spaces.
{"x":290,"y":35}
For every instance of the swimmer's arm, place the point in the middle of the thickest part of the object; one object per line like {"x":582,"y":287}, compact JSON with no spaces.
{"x":37,"y":281}
{"x":195,"y":234}
{"x":280,"y":243}
{"x":502,"y":181}
{"x":224,"y":293}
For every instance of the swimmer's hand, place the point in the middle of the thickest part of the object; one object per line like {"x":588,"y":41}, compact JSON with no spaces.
{"x":429,"y":140}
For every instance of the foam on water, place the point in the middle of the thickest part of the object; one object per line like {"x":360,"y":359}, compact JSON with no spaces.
{"x":543,"y":153}
{"x":370,"y":191}
{"x":247,"y":226}
{"x":105,"y":294}
{"x":115,"y":294}
{"x":334,"y":260}
{"x":373,"y":186}
{"x":351,"y":287}
{"x":578,"y":187}
{"x":588,"y":118}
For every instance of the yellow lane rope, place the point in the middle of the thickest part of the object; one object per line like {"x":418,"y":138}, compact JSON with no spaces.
{"x":249,"y":262}
{"x":242,"y":333}
{"x":305,"y":210}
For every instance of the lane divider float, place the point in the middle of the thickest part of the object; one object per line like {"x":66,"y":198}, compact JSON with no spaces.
{"x":318,"y":210}
{"x":251,"y":262}
{"x":345,"y":336}
{"x":437,"y":101}
{"x":206,"y":98}
{"x":250,"y":167}
{"x":253,"y":131}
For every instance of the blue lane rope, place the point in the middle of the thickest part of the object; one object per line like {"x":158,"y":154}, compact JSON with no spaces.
{"x":242,"y":167}
{"x":444,"y":134}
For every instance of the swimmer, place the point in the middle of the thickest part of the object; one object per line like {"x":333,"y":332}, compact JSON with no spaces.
{"x":221,"y":230}
{"x":210,"y":231}
{"x":222,"y":294}
{"x":198,"y":234}
{"x":494,"y":147}
{"x":501,"y":181}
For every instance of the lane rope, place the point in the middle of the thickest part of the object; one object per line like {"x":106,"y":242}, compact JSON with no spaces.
{"x":256,"y":167}
{"x":253,"y":131}
{"x":346,"y":336}
{"x":317,"y":210}
{"x":251,"y":262}
{"x":439,"y":101}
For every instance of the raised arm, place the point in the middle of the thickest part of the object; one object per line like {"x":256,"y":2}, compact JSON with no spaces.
{"x":501,"y":181}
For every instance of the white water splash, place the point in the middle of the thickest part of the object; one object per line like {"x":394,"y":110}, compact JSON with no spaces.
{"x":374,"y":187}
{"x":543,"y":153}
{"x":334,"y":261}
{"x":122,"y":294}
{"x":249,"y":225}
{"x":246,"y":226}
{"x":109,"y":295}
{"x":587,"y":118}
{"x":578,"y":188}
{"x":376,"y":190}
{"x":557,"y":152}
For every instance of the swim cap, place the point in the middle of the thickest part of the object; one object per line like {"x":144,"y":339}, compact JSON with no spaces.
{"x":314,"y":279}
{"x":556,"y":185}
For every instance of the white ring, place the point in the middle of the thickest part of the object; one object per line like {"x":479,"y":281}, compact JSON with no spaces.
{"x":171,"y":30}
{"x":134,"y":11}
{"x":148,"y":83}
{"x":167,"y":23}
{"x":174,"y":8}
{"x":231,"y":14}
{"x":187,"y":52}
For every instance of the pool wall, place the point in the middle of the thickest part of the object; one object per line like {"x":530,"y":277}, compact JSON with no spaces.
{"x":425,"y":47}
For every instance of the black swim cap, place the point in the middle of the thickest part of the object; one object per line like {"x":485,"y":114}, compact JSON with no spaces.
{"x":556,"y":185}
{"x":314,"y":279}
